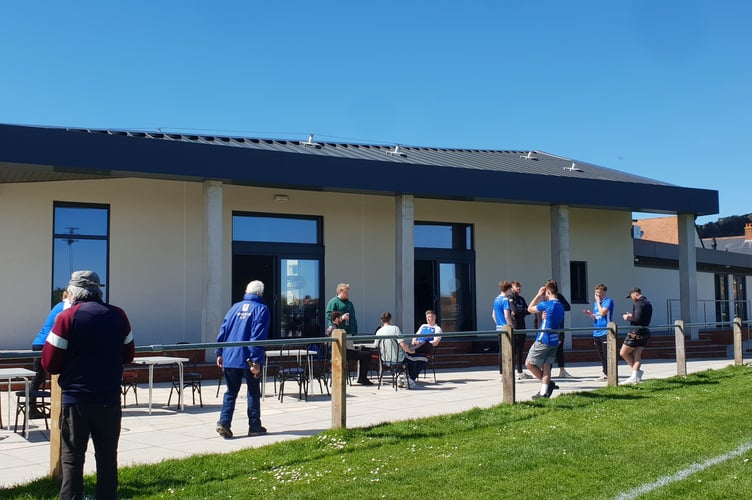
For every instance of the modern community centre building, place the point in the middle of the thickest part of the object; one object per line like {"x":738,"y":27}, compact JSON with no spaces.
{"x":177,"y":224}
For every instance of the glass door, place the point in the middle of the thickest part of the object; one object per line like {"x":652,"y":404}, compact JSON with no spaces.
{"x":300,"y":303}
{"x":445,"y":287}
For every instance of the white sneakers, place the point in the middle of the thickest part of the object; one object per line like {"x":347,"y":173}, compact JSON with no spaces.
{"x":564,"y":374}
{"x":401,"y":381}
{"x":602,"y":378}
{"x":635,"y":378}
{"x":523,"y":376}
{"x":412,"y":384}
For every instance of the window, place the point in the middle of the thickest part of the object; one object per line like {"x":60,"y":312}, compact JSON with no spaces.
{"x":287,"y":254}
{"x":578,"y":279}
{"x":448,"y":236}
{"x":740,"y":296}
{"x":80,"y":240}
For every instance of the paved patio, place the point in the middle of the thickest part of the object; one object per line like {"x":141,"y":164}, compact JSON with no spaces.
{"x":168,"y":433}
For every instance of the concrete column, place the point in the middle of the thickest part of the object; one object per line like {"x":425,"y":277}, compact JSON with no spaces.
{"x":214,"y":256}
{"x":405,"y":273}
{"x":560,"y":258}
{"x":687,"y":272}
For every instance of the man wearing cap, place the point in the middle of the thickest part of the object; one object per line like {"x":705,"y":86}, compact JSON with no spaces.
{"x":637,"y":338}
{"x":88,"y":345}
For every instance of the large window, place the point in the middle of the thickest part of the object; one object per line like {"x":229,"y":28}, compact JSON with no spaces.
{"x":445,"y":274}
{"x":80,"y":241}
{"x":287,"y":254}
{"x":740,"y":296}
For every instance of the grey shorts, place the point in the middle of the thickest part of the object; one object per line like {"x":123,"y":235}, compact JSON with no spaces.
{"x":541,"y":354}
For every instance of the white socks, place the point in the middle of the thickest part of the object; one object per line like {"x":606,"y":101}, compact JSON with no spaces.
{"x":544,"y":389}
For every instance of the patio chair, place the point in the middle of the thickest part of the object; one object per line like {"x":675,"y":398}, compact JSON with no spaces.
{"x":42,"y":398}
{"x":293,"y":368}
{"x":389,"y":361}
{"x":128,"y":383}
{"x":191,"y":378}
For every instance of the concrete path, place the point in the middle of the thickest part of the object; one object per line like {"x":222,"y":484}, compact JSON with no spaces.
{"x":168,"y":433}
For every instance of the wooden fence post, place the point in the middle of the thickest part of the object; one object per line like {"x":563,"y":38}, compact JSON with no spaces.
{"x":681,"y":353}
{"x":613,"y":361}
{"x":339,"y":365}
{"x":507,"y":365}
{"x":56,"y":406}
{"x":738,"y":350}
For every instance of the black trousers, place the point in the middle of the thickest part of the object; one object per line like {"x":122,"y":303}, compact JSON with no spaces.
{"x":102,"y":423}
{"x":518,"y":346}
{"x":364,"y":362}
{"x":601,"y":347}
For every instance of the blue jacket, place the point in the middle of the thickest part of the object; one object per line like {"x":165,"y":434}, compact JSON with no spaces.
{"x":246,"y":320}
{"x":41,"y":337}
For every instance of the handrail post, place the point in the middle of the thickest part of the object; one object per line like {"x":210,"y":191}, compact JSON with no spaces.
{"x":613,"y":362}
{"x":56,"y":406}
{"x":507,"y":366}
{"x":339,"y":364}
{"x":681,"y":353}
{"x":738,"y":350}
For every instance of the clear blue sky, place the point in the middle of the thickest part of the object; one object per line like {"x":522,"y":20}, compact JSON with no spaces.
{"x":661,"y":89}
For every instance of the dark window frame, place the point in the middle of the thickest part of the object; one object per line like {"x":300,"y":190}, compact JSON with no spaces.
{"x":578,"y":289}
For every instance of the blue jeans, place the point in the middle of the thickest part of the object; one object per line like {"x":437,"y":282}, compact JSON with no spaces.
{"x":233,"y":378}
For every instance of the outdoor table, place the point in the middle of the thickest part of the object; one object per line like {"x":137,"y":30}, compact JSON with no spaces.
{"x":11,"y":374}
{"x":163,"y":360}
{"x":284,"y":353}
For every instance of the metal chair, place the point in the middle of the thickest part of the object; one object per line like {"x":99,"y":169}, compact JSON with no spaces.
{"x":191,"y":378}
{"x":128,"y":383}
{"x":389,"y":361}
{"x":42,"y":398}
{"x":293,"y":368}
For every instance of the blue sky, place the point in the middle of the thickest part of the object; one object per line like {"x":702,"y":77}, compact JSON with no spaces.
{"x":658,"y":88}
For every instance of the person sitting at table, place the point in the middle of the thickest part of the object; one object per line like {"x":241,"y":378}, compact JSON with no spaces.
{"x":363,"y":355}
{"x":416,"y":363}
{"x":429,"y":335}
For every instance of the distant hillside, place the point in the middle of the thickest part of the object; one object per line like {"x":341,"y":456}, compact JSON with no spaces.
{"x":725,"y":226}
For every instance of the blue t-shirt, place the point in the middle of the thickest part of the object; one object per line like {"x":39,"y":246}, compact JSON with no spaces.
{"x":501,"y":304}
{"x":554,"y":312}
{"x":601,"y":322}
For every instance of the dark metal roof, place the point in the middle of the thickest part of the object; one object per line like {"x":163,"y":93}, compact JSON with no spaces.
{"x":29,"y":154}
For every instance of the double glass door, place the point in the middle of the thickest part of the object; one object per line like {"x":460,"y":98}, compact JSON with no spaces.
{"x":292,"y":292}
{"x":446,"y":287}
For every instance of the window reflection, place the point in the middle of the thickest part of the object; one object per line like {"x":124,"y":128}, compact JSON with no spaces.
{"x":80,"y":241}
{"x":274,"y":229}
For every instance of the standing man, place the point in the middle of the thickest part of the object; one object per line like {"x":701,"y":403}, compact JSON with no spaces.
{"x":37,"y":345}
{"x":543,"y":352}
{"x":88,"y":345}
{"x":602,"y":314}
{"x":637,"y":338}
{"x":518,"y":307}
{"x":501,"y":313}
{"x":348,"y":322}
{"x":245,"y":321}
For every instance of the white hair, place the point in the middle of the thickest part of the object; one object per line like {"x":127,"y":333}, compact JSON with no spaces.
{"x":80,"y":294}
{"x":256,"y":287}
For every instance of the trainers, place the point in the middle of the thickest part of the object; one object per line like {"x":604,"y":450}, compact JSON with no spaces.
{"x":602,"y":378}
{"x":365,"y":382}
{"x":256,"y":431}
{"x":401,"y":381}
{"x":538,"y":395}
{"x":551,"y":388}
{"x":412,"y":384}
{"x":564,"y":374}
{"x":639,"y":376}
{"x":224,"y":431}
{"x":523,"y":376}
{"x":630,"y":380}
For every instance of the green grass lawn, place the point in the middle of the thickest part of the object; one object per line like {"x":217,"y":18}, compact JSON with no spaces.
{"x":598,"y":444}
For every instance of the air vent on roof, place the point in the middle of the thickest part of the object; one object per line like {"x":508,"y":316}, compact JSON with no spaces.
{"x":530,"y":156}
{"x":396,"y":152}
{"x":573,"y":168}
{"x":310,"y":143}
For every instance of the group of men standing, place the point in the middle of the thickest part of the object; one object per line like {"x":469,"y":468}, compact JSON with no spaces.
{"x":549,"y":306}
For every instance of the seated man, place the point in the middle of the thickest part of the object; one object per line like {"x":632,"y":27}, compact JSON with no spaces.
{"x":363,"y":356}
{"x":429,"y":335}
{"x":390,"y":353}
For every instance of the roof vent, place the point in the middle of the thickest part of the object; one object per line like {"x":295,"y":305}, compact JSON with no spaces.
{"x":529,"y":156}
{"x":573,"y":168}
{"x":396,"y":152}
{"x":310,"y":143}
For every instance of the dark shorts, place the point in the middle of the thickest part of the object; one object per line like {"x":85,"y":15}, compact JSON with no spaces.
{"x":637,"y":338}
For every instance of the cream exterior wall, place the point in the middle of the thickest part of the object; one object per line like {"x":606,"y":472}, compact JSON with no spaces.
{"x":156,"y":252}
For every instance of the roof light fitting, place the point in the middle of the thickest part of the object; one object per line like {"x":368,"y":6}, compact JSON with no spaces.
{"x":397,"y":151}
{"x":529,"y":156}
{"x":310,"y":142}
{"x":573,"y":168}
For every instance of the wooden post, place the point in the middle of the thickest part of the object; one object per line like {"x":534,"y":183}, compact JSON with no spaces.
{"x":613,"y":361}
{"x":339,"y":365}
{"x":681,"y":354}
{"x":507,"y":365}
{"x":56,"y":406}
{"x":738,"y":350}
